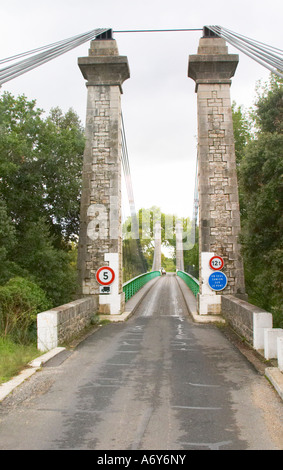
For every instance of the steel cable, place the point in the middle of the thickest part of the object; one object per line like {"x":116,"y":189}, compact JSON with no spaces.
{"x":33,"y":51}
{"x":262,"y":53}
{"x":259,"y":52}
{"x":52,"y":51}
{"x":128,"y":181}
{"x":130,"y":192}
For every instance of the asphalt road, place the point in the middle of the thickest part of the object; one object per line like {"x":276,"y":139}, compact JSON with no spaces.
{"x":157,"y":381}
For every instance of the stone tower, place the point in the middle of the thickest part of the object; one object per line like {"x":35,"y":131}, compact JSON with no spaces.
{"x":100,"y":240}
{"x":219,"y":216}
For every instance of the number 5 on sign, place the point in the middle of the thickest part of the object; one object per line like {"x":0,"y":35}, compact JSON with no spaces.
{"x":105,"y":276}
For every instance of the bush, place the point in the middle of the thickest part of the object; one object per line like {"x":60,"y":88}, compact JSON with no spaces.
{"x":50,"y":268}
{"x":20,"y":301}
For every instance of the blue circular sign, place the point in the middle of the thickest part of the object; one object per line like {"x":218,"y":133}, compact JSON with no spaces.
{"x":217,"y":281}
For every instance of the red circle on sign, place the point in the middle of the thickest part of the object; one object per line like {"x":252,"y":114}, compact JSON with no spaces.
{"x":216,"y":263}
{"x":105,"y":275}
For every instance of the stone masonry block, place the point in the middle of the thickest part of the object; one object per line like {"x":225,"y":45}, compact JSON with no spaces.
{"x":217,"y":169}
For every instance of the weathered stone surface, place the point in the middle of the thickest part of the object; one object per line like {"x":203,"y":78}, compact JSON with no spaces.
{"x":241,"y":315}
{"x":100,"y":217}
{"x":219,"y":215}
{"x":56,"y":326}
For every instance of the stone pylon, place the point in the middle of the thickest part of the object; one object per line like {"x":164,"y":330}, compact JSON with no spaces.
{"x":219,"y":215}
{"x":156,"y":266}
{"x":100,"y":240}
{"x":179,"y":247}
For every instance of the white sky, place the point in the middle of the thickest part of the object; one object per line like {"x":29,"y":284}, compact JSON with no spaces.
{"x":159,"y":102}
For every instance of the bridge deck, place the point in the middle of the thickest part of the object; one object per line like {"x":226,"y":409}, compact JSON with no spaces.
{"x":156,"y":381}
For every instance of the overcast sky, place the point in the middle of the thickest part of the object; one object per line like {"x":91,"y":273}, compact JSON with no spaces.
{"x":159,"y":102}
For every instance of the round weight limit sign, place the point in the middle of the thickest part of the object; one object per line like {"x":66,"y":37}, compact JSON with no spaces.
{"x":216,"y":263}
{"x":105,"y":276}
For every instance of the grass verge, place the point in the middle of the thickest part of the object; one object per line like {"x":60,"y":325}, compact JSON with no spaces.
{"x":14,"y":357}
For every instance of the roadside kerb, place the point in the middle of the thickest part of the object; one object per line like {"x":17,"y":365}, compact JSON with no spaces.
{"x":32,"y":367}
{"x":275,"y":376}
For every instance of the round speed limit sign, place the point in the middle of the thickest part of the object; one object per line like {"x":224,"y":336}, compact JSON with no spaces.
{"x":105,"y":276}
{"x":216,"y":263}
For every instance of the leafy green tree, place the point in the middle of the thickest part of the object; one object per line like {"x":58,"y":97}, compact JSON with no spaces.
{"x":7,"y":243}
{"x":268,"y":114}
{"x":40,"y":180}
{"x":242,"y":130}
{"x":40,"y":165}
{"x":147,"y":218}
{"x":45,"y":264}
{"x":62,"y":151}
{"x":261,"y":186}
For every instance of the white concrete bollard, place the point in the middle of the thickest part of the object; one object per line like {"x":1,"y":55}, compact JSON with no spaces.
{"x":47,"y":330}
{"x":261,"y":321}
{"x":280,"y":352}
{"x":270,"y":342}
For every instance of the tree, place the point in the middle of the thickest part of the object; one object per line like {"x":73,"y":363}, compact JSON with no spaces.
{"x":242,"y":130}
{"x":135,"y":252}
{"x":40,"y":168}
{"x":45,"y":264}
{"x":40,"y":165}
{"x":7,"y":244}
{"x":261,"y":185}
{"x":269,"y":107}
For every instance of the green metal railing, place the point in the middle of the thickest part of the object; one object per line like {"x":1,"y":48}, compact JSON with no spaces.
{"x":134,"y":285}
{"x":191,"y":282}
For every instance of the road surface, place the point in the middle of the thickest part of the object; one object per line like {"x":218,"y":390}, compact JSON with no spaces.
{"x":157,"y":381}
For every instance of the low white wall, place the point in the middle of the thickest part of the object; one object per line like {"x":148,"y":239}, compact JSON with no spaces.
{"x":58,"y":325}
{"x":255,"y":325}
{"x":247,"y":319}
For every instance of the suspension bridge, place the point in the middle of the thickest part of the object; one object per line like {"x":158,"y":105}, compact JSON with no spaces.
{"x":157,"y":339}
{"x":104,"y":242}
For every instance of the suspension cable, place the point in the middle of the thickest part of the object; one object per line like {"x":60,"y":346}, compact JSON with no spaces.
{"x":268,"y":56}
{"x":128,"y":181}
{"x":51,"y":51}
{"x":33,"y":51}
{"x":129,"y":186}
{"x":157,"y":30}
